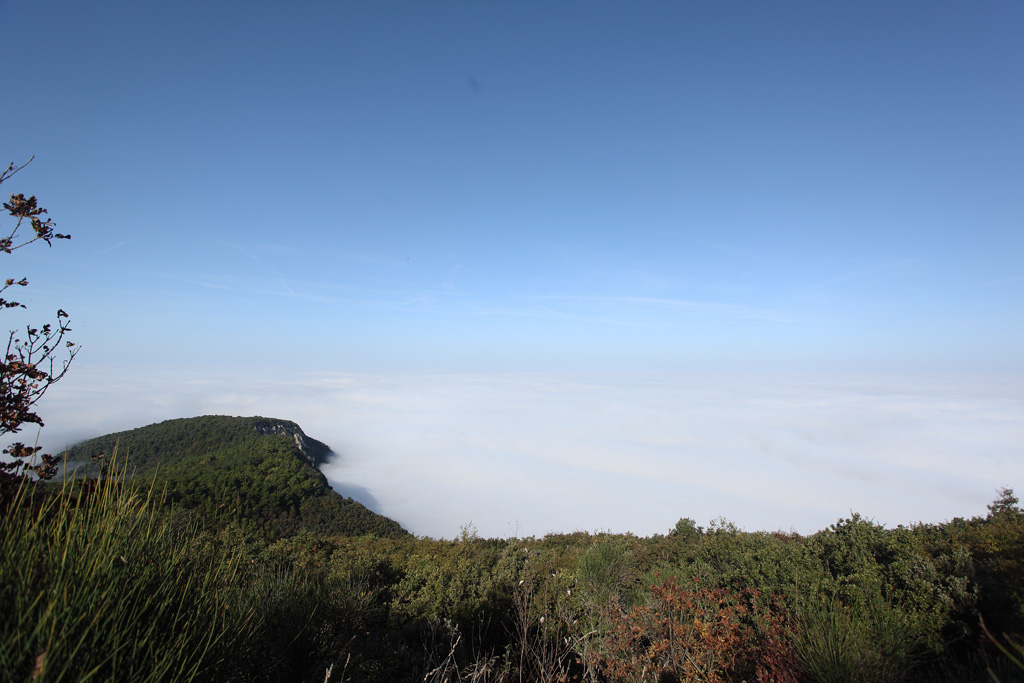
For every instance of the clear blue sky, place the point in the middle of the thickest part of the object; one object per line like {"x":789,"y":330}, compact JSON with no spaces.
{"x":518,"y":184}
{"x":526,"y":186}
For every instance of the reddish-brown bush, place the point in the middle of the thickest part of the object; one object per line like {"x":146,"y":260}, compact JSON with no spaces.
{"x":698,"y":634}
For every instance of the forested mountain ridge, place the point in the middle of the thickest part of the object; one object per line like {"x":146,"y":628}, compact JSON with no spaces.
{"x":257,"y":473}
{"x":162,"y":443}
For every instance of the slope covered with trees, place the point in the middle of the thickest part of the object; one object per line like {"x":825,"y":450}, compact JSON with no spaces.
{"x":259,"y":474}
{"x":165,"y":443}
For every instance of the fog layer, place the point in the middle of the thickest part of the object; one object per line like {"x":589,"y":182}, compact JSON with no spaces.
{"x":530,"y":454}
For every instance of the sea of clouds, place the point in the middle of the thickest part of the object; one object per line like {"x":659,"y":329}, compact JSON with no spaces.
{"x":528,"y":454}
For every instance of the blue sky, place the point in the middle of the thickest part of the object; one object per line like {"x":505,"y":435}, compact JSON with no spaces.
{"x":641,"y":189}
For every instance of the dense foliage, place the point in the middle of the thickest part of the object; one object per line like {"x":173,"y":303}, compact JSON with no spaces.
{"x":148,"y":448}
{"x":99,"y":583}
{"x":256,"y":473}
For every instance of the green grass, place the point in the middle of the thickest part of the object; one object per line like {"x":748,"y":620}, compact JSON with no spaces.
{"x":95,"y":588}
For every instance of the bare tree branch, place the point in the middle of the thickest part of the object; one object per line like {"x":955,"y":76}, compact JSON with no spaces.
{"x":35,"y":359}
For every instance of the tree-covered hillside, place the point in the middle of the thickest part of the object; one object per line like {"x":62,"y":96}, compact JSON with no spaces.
{"x":253,"y":472}
{"x":166,"y":442}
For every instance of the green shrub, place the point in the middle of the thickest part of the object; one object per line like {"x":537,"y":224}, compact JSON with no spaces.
{"x":864,"y":641}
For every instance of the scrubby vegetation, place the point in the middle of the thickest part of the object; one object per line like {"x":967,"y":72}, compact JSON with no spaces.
{"x":109,"y":580}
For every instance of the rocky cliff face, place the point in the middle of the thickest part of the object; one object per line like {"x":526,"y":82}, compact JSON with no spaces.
{"x":313,"y":452}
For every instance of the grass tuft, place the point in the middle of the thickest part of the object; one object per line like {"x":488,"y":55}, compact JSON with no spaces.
{"x":96,"y":588}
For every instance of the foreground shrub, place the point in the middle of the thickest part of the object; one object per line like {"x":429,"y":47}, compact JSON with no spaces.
{"x":699,"y":634}
{"x":304,"y":622}
{"x":867,"y":640}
